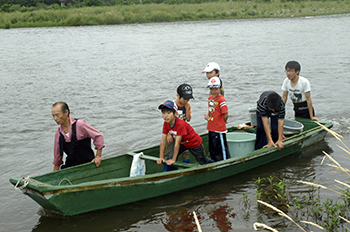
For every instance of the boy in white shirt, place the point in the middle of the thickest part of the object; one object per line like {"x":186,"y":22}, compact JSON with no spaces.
{"x":298,"y":88}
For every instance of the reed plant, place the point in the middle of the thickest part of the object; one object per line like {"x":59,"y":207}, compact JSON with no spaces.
{"x":328,"y":215}
{"x":273,"y":190}
{"x":150,"y":13}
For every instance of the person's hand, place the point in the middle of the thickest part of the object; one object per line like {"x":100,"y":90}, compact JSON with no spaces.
{"x":97,"y":161}
{"x":170,"y":162}
{"x":270,"y":144}
{"x":314,"y":118}
{"x":280,"y":144}
{"x":56,"y":168}
{"x":169,"y":138}
{"x":206,"y":117}
{"x":160,"y":161}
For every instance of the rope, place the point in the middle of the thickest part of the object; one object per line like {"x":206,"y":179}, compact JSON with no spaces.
{"x":66,"y":180}
{"x":25,"y":182}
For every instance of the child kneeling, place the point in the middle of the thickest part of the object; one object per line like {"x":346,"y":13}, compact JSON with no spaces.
{"x":184,"y":135}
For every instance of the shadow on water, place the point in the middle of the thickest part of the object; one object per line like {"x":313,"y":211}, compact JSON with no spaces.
{"x":216,"y":204}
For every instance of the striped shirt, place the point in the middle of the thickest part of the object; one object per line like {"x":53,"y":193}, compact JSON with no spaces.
{"x":264,"y":109}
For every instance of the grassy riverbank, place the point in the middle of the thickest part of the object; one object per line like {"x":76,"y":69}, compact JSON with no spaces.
{"x":148,"y":13}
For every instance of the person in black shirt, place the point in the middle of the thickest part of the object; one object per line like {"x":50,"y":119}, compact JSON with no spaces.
{"x":269,"y":106}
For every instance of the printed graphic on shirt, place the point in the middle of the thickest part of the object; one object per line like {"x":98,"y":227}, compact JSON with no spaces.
{"x":295,"y":95}
{"x":212,"y":106}
{"x":173,"y":133}
{"x":181,"y":114}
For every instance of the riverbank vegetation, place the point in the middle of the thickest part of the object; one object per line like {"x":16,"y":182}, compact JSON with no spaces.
{"x":307,"y":209}
{"x":135,"y":11}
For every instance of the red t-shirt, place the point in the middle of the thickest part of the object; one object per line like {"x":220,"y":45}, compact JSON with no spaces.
{"x":190,"y":138}
{"x":217,"y":108}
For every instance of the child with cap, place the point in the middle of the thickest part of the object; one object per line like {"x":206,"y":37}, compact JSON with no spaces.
{"x":212,"y":69}
{"x":184,"y":135}
{"x":184,"y":94}
{"x":217,"y":118}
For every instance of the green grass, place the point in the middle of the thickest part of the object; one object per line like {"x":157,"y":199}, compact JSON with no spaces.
{"x":149,"y":13}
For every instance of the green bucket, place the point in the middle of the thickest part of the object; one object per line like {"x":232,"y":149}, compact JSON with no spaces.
{"x":240,"y":143}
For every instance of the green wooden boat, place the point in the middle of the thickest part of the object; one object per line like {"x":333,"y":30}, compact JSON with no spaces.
{"x":86,"y":188}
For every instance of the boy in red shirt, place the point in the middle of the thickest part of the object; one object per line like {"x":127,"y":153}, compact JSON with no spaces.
{"x":217,"y":118}
{"x":184,"y":135}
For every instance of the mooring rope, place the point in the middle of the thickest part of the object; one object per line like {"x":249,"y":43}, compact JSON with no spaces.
{"x":25,"y":182}
{"x":63,"y":180}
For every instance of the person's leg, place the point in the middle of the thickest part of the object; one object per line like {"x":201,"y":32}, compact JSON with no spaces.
{"x":224,"y":146}
{"x":169,"y":156}
{"x":185,"y":156}
{"x":199,"y":155}
{"x":219,"y":148}
{"x":216,"y":151}
{"x":211,"y":138}
{"x":261,"y":140}
{"x":168,"y":147}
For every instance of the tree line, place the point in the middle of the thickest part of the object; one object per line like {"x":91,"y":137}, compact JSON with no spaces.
{"x":30,"y":5}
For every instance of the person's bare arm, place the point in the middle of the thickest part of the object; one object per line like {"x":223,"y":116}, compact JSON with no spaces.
{"x":161,"y":149}
{"x":285,"y":96}
{"x":266,"y":124}
{"x":309,"y":106}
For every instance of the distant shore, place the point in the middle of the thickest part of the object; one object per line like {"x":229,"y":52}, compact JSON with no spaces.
{"x":150,"y":13}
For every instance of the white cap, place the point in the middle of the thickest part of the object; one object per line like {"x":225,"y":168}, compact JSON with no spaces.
{"x":211,"y":66}
{"x":214,"y":82}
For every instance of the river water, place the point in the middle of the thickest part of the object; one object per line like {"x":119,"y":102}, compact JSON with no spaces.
{"x":114,"y":77}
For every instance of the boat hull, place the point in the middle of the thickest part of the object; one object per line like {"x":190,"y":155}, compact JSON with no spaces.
{"x":104,"y":191}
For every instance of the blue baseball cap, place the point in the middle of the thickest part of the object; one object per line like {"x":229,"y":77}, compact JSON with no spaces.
{"x":168,"y":104}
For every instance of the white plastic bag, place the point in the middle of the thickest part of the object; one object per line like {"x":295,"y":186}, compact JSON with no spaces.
{"x":138,"y":166}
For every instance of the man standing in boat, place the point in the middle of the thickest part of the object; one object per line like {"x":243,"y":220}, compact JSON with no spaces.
{"x":73,"y":137}
{"x":270,"y":105}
